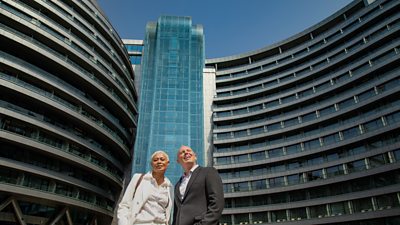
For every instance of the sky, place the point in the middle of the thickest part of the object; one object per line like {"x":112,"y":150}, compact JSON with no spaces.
{"x":230,"y":26}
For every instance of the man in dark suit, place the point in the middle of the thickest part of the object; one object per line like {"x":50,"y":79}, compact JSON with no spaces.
{"x":199,"y":198}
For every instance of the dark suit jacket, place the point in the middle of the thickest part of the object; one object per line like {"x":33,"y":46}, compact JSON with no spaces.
{"x":203,"y":201}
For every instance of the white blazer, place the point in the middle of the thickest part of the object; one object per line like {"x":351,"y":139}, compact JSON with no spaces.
{"x":130,"y":205}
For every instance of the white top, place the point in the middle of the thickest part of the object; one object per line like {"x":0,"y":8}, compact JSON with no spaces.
{"x":185,"y":181}
{"x":154,"y":209}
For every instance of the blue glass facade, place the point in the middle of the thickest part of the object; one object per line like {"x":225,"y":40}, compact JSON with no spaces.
{"x":135,"y":53}
{"x":171,"y":98}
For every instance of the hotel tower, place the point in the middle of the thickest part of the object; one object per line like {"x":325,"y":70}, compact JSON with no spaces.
{"x":307,"y":131}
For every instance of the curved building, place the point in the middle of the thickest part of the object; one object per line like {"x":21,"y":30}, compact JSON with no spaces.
{"x":307,"y":131}
{"x":68,"y":113}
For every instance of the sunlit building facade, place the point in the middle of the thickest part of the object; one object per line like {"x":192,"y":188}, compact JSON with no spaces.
{"x":307,"y":131}
{"x":171,"y":92}
{"x":68,"y":114}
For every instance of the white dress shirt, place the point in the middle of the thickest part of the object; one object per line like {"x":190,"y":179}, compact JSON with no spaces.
{"x":185,"y":180}
{"x":154,"y":209}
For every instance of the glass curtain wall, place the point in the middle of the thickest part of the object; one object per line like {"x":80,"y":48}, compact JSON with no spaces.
{"x":171,"y":98}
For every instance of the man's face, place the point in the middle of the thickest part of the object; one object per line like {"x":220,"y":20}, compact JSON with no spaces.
{"x":159,"y":162}
{"x":186,"y":155}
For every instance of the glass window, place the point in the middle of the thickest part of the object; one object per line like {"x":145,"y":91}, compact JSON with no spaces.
{"x":235,"y":174}
{"x":346,"y":103}
{"x":257,"y":144}
{"x":241,"y":218}
{"x":279,"y":198}
{"x":293,"y":149}
{"x":293,"y":165}
{"x":361,"y":185}
{"x":350,"y":133}
{"x":342,"y":78}
{"x":223,"y":160}
{"x":278,"y":168}
{"x":255,"y":108}
{"x":278,"y":216}
{"x":318,"y":211}
{"x":315,"y":161}
{"x":241,"y":133}
{"x":373,"y":125}
{"x":257,"y":130}
{"x":314,"y":175}
{"x":259,"y":171}
{"x":241,"y":147}
{"x":258,"y":184}
{"x":225,"y":220}
{"x":258,"y":156}
{"x":357,"y":150}
{"x":66,"y":190}
{"x":323,"y":86}
{"x":306,"y":93}
{"x":242,"y":186}
{"x":318,"y":192}
{"x":291,"y":122}
{"x":393,"y":118}
{"x":387,"y":201}
{"x":298,"y":195}
{"x":308,"y":145}
{"x":260,"y":200}
{"x":392,"y":84}
{"x":331,"y":139}
{"x":224,"y":175}
{"x":276,"y":140}
{"x":366,"y":95}
{"x":240,"y":158}
{"x":276,"y":182}
{"x":136,"y":59}
{"x":332,"y":156}
{"x":8,"y":176}
{"x":288,"y":99}
{"x":240,"y":111}
{"x":244,"y":173}
{"x":297,"y":214}
{"x":241,"y":202}
{"x":272,"y":104}
{"x":260,"y":217}
{"x":362,"y":205}
{"x":356,"y":166}
{"x":295,"y":179}
{"x":308,"y":117}
{"x":334,"y":171}
{"x":273,"y":127}
{"x":227,"y":188}
{"x":397,"y":155}
{"x":339,"y":208}
{"x":378,"y":160}
{"x":293,"y":137}
{"x":275,"y":152}
{"x":327,"y":111}
{"x":222,"y":149}
{"x":339,"y":189}
{"x":222,"y":136}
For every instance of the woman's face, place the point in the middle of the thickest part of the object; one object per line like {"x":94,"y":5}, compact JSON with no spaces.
{"x":159,"y":162}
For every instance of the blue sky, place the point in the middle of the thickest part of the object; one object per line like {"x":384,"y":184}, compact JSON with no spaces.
{"x":230,"y":26}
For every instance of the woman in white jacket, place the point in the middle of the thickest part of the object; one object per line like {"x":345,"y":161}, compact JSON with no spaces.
{"x":152,"y":201}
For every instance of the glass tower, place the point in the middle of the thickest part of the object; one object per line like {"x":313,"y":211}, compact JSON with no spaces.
{"x":171,"y":97}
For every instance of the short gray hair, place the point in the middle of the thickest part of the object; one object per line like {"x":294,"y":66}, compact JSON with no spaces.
{"x":162,"y":152}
